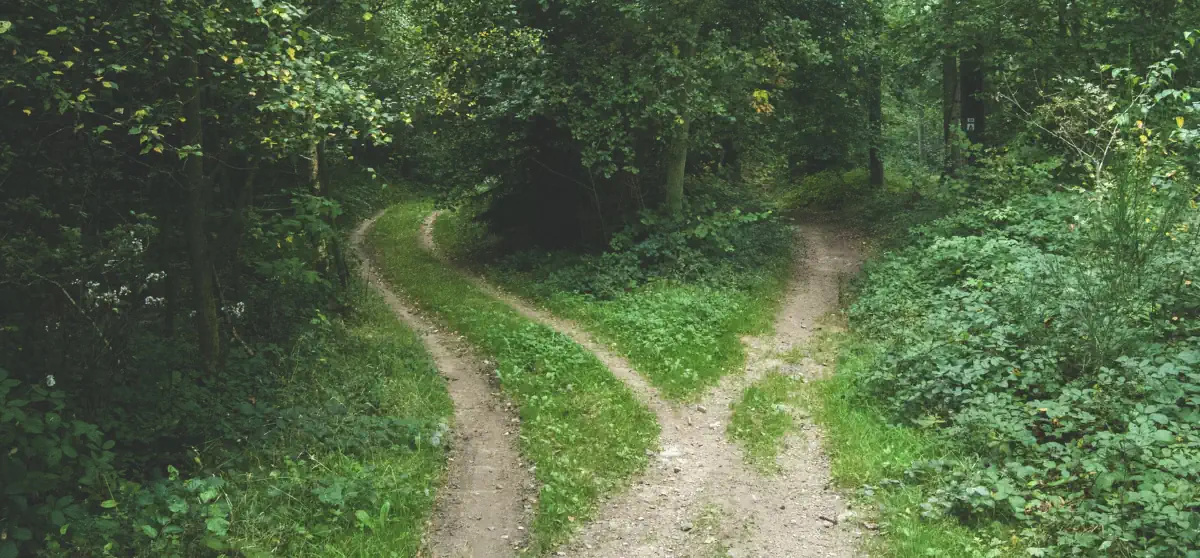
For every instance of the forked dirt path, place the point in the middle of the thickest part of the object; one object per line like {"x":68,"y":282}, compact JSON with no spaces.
{"x":484,"y":509}
{"x":699,"y":498}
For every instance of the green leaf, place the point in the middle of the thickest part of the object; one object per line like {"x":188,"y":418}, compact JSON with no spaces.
{"x":1164,"y":436}
{"x":215,"y":543}
{"x":150,"y":531}
{"x":7,"y":549}
{"x":4,"y":27}
{"x":108,"y":504}
{"x":218,"y":526}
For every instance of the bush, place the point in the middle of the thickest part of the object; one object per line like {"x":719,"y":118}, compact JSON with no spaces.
{"x":1012,"y":328}
{"x":832,"y":189}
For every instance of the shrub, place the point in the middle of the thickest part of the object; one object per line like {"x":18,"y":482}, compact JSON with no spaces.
{"x":1012,"y":328}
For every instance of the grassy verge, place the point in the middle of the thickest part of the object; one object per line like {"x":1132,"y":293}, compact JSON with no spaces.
{"x":872,"y":456}
{"x":583,"y":428}
{"x":683,"y":337}
{"x":364,"y":480}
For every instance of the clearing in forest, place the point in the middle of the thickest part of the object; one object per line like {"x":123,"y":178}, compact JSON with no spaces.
{"x":700,"y":498}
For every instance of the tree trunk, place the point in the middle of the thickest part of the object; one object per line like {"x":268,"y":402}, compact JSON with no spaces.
{"x":921,"y":138}
{"x":326,"y":188}
{"x":875,"y":122}
{"x":974,"y":107}
{"x":731,"y":161}
{"x":236,"y":228}
{"x":676,"y":169}
{"x":203,"y":296}
{"x":950,"y":111}
{"x":949,"y":93}
{"x":169,"y":290}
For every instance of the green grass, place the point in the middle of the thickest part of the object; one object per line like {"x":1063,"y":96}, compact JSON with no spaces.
{"x":372,"y":366}
{"x":582,"y":428}
{"x":682,"y":337}
{"x":866,"y":450}
{"x":764,"y":416}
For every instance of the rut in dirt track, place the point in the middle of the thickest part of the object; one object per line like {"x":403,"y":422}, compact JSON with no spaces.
{"x":485,"y":506}
{"x":699,"y":498}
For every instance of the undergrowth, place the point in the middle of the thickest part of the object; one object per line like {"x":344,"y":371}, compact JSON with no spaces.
{"x":875,"y":458}
{"x":337,"y":451}
{"x":1052,"y":337}
{"x":675,"y":310}
{"x":363,"y":491}
{"x":582,"y":428}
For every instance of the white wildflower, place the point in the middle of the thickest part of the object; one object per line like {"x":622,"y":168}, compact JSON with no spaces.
{"x":50,"y":380}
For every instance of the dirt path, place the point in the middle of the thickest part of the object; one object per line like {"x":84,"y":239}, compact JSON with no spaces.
{"x":699,"y":498}
{"x":486,"y":505}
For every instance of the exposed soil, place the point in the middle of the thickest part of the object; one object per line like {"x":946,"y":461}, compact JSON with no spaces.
{"x":699,"y":498}
{"x":486,"y":504}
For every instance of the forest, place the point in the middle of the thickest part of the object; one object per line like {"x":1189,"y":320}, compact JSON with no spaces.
{"x":656,"y":278}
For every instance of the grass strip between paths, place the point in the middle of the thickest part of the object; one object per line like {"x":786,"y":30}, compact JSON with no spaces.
{"x":583,"y":429}
{"x":763,"y":417}
{"x":683,"y":338}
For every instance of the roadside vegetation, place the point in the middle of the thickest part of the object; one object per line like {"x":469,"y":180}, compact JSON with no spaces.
{"x":582,"y":429}
{"x":362,"y":426}
{"x":1024,"y":367}
{"x":675,"y":297}
{"x":188,"y":366}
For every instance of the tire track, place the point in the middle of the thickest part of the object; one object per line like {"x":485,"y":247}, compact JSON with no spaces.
{"x":485,"y":506}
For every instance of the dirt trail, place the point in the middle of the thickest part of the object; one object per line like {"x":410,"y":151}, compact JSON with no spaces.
{"x":699,"y":498}
{"x":485,"y":507}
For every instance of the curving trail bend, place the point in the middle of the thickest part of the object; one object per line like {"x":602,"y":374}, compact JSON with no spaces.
{"x":486,"y":504}
{"x":699,"y":498}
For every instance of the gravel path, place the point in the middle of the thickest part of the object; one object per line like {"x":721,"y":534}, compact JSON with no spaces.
{"x":699,"y":498}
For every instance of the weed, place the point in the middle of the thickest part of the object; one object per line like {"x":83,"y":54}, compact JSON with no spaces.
{"x":350,"y":499}
{"x":764,"y":416}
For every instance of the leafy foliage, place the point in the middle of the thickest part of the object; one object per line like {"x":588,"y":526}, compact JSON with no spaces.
{"x":1052,"y":333}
